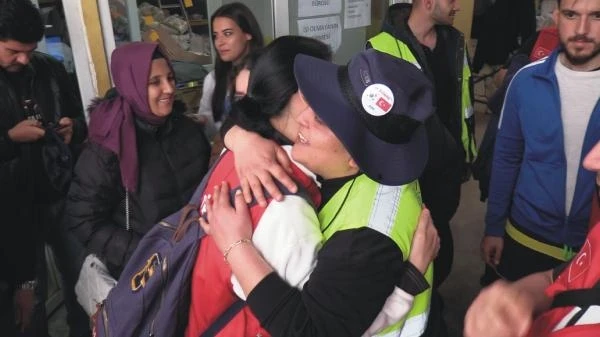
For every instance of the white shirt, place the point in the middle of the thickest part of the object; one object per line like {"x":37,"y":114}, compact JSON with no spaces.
{"x":579,"y":92}
{"x":205,"y":110}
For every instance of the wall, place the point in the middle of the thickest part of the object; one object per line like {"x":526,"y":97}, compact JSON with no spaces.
{"x":464,"y":18}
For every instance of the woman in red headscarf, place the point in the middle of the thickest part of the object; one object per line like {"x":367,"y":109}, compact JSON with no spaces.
{"x":143,"y":161}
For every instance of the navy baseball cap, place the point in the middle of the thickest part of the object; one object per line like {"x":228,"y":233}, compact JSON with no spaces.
{"x":376,"y":105}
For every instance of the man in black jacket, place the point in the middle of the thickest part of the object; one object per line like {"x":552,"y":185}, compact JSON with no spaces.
{"x":428,"y":40}
{"x":36,"y":99}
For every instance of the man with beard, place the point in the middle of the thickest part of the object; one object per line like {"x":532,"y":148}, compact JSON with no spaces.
{"x":428,"y":40}
{"x":539,"y":200}
{"x":536,"y":306}
{"x":38,"y":110}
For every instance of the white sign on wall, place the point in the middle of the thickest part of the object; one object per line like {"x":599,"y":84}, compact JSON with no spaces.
{"x":357,"y":13}
{"x":318,"y":7}
{"x":326,"y":29}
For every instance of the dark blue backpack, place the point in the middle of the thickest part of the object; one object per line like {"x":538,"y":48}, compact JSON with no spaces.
{"x":152,"y":294}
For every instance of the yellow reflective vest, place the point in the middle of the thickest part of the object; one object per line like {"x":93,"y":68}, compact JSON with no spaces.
{"x":393,"y":211}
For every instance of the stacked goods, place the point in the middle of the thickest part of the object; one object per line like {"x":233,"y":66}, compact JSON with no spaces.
{"x":152,"y":17}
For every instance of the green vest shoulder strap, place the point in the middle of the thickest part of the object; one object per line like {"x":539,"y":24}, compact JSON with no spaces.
{"x":391,"y":210}
{"x":386,"y":43}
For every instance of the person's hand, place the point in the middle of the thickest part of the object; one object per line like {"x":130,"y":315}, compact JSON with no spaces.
{"x":226,"y":224}
{"x":65,"y":129}
{"x":24,"y":303}
{"x":491,"y":249}
{"x":425,"y":244}
{"x":257,"y":162}
{"x":500,"y":310}
{"x":26,"y":131}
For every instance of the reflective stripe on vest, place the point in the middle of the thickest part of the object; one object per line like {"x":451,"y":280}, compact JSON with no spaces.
{"x":413,"y":327}
{"x":466,"y":103}
{"x":384,"y":42}
{"x":391,"y":210}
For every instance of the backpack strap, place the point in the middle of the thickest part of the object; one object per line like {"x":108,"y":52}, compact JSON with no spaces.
{"x":578,"y":297}
{"x":183,"y":218}
{"x":225,"y":317}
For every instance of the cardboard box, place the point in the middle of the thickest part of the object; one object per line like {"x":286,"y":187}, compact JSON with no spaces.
{"x":172,"y":49}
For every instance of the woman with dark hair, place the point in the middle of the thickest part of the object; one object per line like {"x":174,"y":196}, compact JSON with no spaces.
{"x":290,"y":245}
{"x":143,"y":160}
{"x":235,"y":34}
{"x":370,"y":218}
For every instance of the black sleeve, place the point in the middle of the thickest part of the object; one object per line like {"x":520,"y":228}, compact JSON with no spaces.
{"x":412,"y":281}
{"x":8,"y":149}
{"x":19,"y":252}
{"x":94,"y":194}
{"x":71,"y":104}
{"x":357,"y":270}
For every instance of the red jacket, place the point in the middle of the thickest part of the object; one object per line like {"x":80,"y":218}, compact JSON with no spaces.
{"x":212,"y":291}
{"x":583,"y":272}
{"x":546,"y":42}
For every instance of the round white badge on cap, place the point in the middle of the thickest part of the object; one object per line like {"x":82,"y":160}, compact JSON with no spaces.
{"x":377,"y":99}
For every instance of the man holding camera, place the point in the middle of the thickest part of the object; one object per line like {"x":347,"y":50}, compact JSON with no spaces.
{"x":38,"y":109}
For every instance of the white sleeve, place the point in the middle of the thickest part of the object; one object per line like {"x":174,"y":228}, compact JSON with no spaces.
{"x":397,"y":305}
{"x":289,"y":237}
{"x":205,"y":109}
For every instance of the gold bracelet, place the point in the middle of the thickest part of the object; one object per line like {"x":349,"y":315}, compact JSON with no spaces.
{"x":233,"y":245}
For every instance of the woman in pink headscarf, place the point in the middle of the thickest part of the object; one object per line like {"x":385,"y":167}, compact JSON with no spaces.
{"x":143,"y":161}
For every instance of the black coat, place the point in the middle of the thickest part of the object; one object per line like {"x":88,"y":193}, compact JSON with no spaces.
{"x":440,"y":181}
{"x":22,"y":186}
{"x":172,"y":162}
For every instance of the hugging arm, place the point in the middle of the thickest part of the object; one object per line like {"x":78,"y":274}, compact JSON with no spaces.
{"x":339,"y":298}
{"x":258,"y":162}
